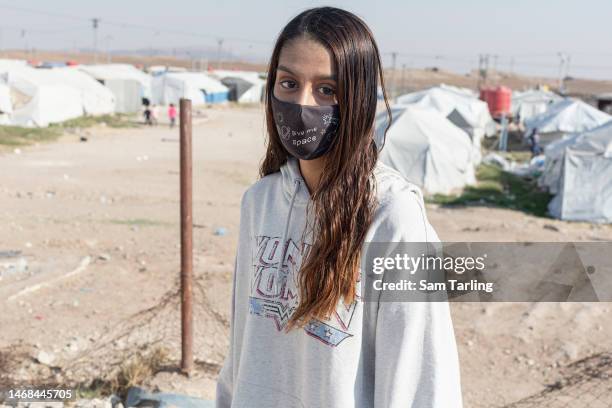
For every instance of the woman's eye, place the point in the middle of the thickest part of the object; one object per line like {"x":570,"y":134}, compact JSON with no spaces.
{"x":327,"y":90}
{"x":288,"y":84}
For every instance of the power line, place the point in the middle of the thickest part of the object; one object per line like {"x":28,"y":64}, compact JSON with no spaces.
{"x":120,"y":24}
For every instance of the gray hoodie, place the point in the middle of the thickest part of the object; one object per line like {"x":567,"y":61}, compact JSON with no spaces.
{"x":370,"y":354}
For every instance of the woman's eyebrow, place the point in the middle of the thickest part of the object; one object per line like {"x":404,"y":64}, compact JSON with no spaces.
{"x":286,"y":69}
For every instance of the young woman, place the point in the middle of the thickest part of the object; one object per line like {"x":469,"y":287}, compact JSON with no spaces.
{"x":301,"y":335}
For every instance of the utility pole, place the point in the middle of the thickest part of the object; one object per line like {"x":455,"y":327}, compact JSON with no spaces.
{"x":562,"y":64}
{"x":483,"y":69}
{"x":402,"y":85}
{"x":95,"y":22}
{"x":394,"y":82}
{"x":219,"y":48}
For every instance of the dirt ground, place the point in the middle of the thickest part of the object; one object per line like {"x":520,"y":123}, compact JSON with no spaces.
{"x":97,"y":224}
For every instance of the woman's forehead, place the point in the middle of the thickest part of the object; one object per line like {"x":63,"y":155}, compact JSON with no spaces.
{"x":305,"y":57}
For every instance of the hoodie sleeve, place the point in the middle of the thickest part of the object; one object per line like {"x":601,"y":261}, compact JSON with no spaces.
{"x":416,"y":362}
{"x":225,"y":381}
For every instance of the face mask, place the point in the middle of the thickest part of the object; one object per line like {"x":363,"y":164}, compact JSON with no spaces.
{"x":307,"y":132}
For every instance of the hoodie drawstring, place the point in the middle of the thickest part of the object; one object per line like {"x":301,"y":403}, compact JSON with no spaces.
{"x":285,"y":233}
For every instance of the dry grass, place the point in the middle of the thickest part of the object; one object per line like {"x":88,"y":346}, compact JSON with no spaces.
{"x":139,"y":369}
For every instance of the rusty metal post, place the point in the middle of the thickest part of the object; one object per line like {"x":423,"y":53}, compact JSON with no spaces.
{"x":186,"y":238}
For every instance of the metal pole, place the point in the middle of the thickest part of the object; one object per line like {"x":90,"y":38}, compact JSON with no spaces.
{"x":95,"y":22}
{"x":186,"y":238}
{"x":394,"y":77}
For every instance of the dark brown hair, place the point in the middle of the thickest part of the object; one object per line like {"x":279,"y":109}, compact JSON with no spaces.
{"x":344,"y":200}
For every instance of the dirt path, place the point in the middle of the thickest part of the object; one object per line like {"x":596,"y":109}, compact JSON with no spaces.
{"x":97,"y":225}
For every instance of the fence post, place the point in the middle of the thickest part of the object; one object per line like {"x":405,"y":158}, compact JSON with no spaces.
{"x":186,"y":237}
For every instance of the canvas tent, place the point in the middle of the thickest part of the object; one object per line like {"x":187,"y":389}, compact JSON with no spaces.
{"x":463,"y":110}
{"x":197,"y":86}
{"x":244,"y":86}
{"x":6,"y":107}
{"x":96,"y":98}
{"x":565,"y":117}
{"x":532,"y":102}
{"x":579,"y":172}
{"x":129,"y":84}
{"x":160,"y":69}
{"x":426,"y":148}
{"x":39,"y":97}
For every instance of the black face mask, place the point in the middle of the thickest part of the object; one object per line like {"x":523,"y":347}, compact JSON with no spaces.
{"x":307,"y":132}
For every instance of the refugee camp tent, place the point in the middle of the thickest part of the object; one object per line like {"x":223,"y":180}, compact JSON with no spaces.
{"x":532,"y":102}
{"x":6,"y":107}
{"x":129,"y":84}
{"x":244,"y":86}
{"x":11,"y":63}
{"x":563,"y":118}
{"x":197,"y":86}
{"x":96,"y":98}
{"x":426,"y":148}
{"x":39,"y":97}
{"x":464,"y":110}
{"x":160,"y":69}
{"x":579,"y":171}
{"x":460,"y":90}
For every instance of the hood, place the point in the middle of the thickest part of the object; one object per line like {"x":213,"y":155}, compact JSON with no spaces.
{"x":290,"y":176}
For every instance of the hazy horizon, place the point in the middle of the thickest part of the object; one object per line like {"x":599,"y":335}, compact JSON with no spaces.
{"x":519,"y":37}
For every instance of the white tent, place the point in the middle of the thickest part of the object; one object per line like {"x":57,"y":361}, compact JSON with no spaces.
{"x":6,"y":106}
{"x":464,"y":110}
{"x":579,"y":171}
{"x":6,"y":64}
{"x":244,"y":86}
{"x":460,"y":90}
{"x":160,"y":69}
{"x":426,"y":148}
{"x":532,"y":102}
{"x":197,"y":86}
{"x":564,"y":117}
{"x":43,"y":96}
{"x":96,"y":98}
{"x":126,"y":82}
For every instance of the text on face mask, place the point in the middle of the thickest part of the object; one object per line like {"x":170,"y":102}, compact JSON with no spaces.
{"x":305,"y":140}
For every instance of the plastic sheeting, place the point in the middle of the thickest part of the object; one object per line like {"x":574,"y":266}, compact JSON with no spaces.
{"x":104,"y":72}
{"x":463,"y":109}
{"x":567,"y":116}
{"x":532,"y":102}
{"x":579,"y":171}
{"x":138,"y":397}
{"x":427,"y":149}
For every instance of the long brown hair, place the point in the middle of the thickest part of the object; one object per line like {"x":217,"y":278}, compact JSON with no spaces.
{"x":344,"y":201}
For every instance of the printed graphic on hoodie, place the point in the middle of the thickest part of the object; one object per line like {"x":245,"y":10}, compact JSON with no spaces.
{"x":274,"y":293}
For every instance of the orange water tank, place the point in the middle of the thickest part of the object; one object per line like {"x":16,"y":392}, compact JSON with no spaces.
{"x":499,"y":100}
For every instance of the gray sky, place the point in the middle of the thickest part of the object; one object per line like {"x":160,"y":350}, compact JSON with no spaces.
{"x":526,"y":35}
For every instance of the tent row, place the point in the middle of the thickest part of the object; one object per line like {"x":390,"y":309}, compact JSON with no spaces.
{"x":38,"y":97}
{"x":577,"y":156}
